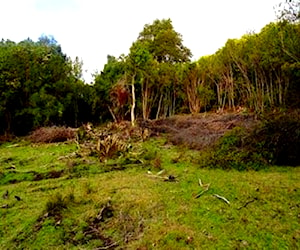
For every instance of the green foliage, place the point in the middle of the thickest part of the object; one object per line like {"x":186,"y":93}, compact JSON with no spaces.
{"x":259,"y":71}
{"x":207,"y":95}
{"x":152,"y":68}
{"x":39,"y":86}
{"x":230,"y":153}
{"x":113,"y":71}
{"x":277,"y":139}
{"x":163,"y":42}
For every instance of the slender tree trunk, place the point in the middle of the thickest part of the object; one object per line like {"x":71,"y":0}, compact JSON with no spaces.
{"x":159,"y":106}
{"x":112,"y":114}
{"x":144,"y":99}
{"x":8,"y":123}
{"x":133,"y":101}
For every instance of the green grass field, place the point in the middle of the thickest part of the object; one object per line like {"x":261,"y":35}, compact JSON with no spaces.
{"x":51,"y":199}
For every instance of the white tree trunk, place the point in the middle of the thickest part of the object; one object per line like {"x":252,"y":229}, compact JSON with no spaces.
{"x":133,"y":102}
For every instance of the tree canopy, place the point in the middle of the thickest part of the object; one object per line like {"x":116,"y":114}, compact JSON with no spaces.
{"x":42,"y":86}
{"x":38,"y":86}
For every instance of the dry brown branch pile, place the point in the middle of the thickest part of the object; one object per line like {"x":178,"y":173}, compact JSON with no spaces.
{"x":52,"y":134}
{"x":109,"y":141}
{"x":199,"y":131}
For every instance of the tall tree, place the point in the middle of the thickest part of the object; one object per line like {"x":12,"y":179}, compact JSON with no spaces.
{"x":37,"y":86}
{"x":163,"y":42}
{"x":152,"y":59}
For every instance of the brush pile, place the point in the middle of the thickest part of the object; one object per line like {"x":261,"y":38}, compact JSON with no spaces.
{"x":107,"y":142}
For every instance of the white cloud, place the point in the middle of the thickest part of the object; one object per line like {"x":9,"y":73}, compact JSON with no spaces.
{"x":92,"y":29}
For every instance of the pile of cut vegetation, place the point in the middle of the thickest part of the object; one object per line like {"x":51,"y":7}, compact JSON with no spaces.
{"x":108,"y":141}
{"x":202,"y":130}
{"x":52,"y":134}
{"x":228,"y":140}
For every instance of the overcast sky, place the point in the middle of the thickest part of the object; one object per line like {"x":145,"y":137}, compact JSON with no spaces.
{"x":92,"y":29}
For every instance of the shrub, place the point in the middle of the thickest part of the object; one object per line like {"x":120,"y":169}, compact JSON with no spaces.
{"x":52,"y":134}
{"x":230,"y":153}
{"x":277,"y":138}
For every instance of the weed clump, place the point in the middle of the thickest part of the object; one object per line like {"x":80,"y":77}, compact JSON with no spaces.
{"x":110,"y":146}
{"x":57,"y":203}
{"x":52,"y":134}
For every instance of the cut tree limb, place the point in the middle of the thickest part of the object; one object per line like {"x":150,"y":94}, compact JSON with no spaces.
{"x":205,"y":189}
{"x":247,"y":203}
{"x":222,"y":198}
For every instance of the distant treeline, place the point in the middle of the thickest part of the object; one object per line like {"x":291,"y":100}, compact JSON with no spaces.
{"x":41,"y":86}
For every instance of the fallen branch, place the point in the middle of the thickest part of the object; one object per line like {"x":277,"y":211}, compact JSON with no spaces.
{"x":114,"y":244}
{"x":205,"y":186}
{"x":160,"y":172}
{"x":72,"y":155}
{"x":222,"y":198}
{"x":247,"y":203}
{"x":170,"y":178}
{"x":155,"y":176}
{"x":200,"y":194}
{"x":200,"y":183}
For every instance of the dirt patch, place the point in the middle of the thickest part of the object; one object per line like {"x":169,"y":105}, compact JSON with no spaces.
{"x":95,"y":230}
{"x":199,"y":131}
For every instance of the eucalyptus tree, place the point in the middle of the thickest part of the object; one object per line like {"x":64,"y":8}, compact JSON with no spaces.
{"x":152,"y":59}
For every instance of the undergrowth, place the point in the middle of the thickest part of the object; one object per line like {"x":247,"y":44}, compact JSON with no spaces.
{"x":275,"y":140}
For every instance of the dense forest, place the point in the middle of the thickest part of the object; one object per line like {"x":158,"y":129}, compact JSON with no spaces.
{"x":42,"y":86}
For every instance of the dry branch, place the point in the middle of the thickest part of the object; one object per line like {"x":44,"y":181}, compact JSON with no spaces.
{"x":112,"y":245}
{"x":170,"y":178}
{"x":205,"y":186}
{"x":222,"y":198}
{"x":247,"y":203}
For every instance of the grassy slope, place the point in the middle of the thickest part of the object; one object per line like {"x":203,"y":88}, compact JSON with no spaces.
{"x":137,"y":210}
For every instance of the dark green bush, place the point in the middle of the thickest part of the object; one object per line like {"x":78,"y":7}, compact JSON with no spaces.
{"x":230,"y":153}
{"x":275,"y":140}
